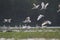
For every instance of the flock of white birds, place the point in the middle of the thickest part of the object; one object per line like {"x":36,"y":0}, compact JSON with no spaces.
{"x":43,"y":6}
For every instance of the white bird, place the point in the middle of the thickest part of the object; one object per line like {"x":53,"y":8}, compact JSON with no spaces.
{"x":27,"y":20}
{"x":39,"y":17}
{"x":46,"y":22}
{"x":7,"y":20}
{"x":44,"y":6}
{"x":59,"y":5}
{"x":59,"y":8}
{"x":24,"y":27}
{"x":35,"y":6}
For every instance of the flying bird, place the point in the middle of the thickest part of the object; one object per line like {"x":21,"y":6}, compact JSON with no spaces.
{"x":7,"y":20}
{"x":44,"y":6}
{"x":59,"y":8}
{"x":39,"y":17}
{"x":24,"y":27}
{"x":46,"y":22}
{"x":27,"y":20}
{"x":35,"y":6}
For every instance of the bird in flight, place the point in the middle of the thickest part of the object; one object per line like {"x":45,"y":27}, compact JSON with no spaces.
{"x":27,"y":20}
{"x":44,"y":6}
{"x":46,"y":22}
{"x":59,"y":8}
{"x":35,"y":6}
{"x":39,"y":17}
{"x":7,"y":20}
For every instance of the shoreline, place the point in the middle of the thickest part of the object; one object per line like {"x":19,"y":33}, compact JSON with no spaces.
{"x":28,"y":39}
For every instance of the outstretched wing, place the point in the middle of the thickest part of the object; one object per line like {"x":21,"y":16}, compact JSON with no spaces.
{"x":34,"y":4}
{"x":46,"y":5}
{"x":5,"y":20}
{"x":39,"y":17}
{"x":49,"y":22}
{"x":46,"y":22}
{"x":9,"y":20}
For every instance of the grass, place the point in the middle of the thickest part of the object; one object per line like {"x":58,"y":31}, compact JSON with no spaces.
{"x":36,"y":34}
{"x":29,"y":34}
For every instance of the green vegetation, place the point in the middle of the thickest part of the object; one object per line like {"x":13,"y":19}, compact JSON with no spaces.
{"x":30,"y":34}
